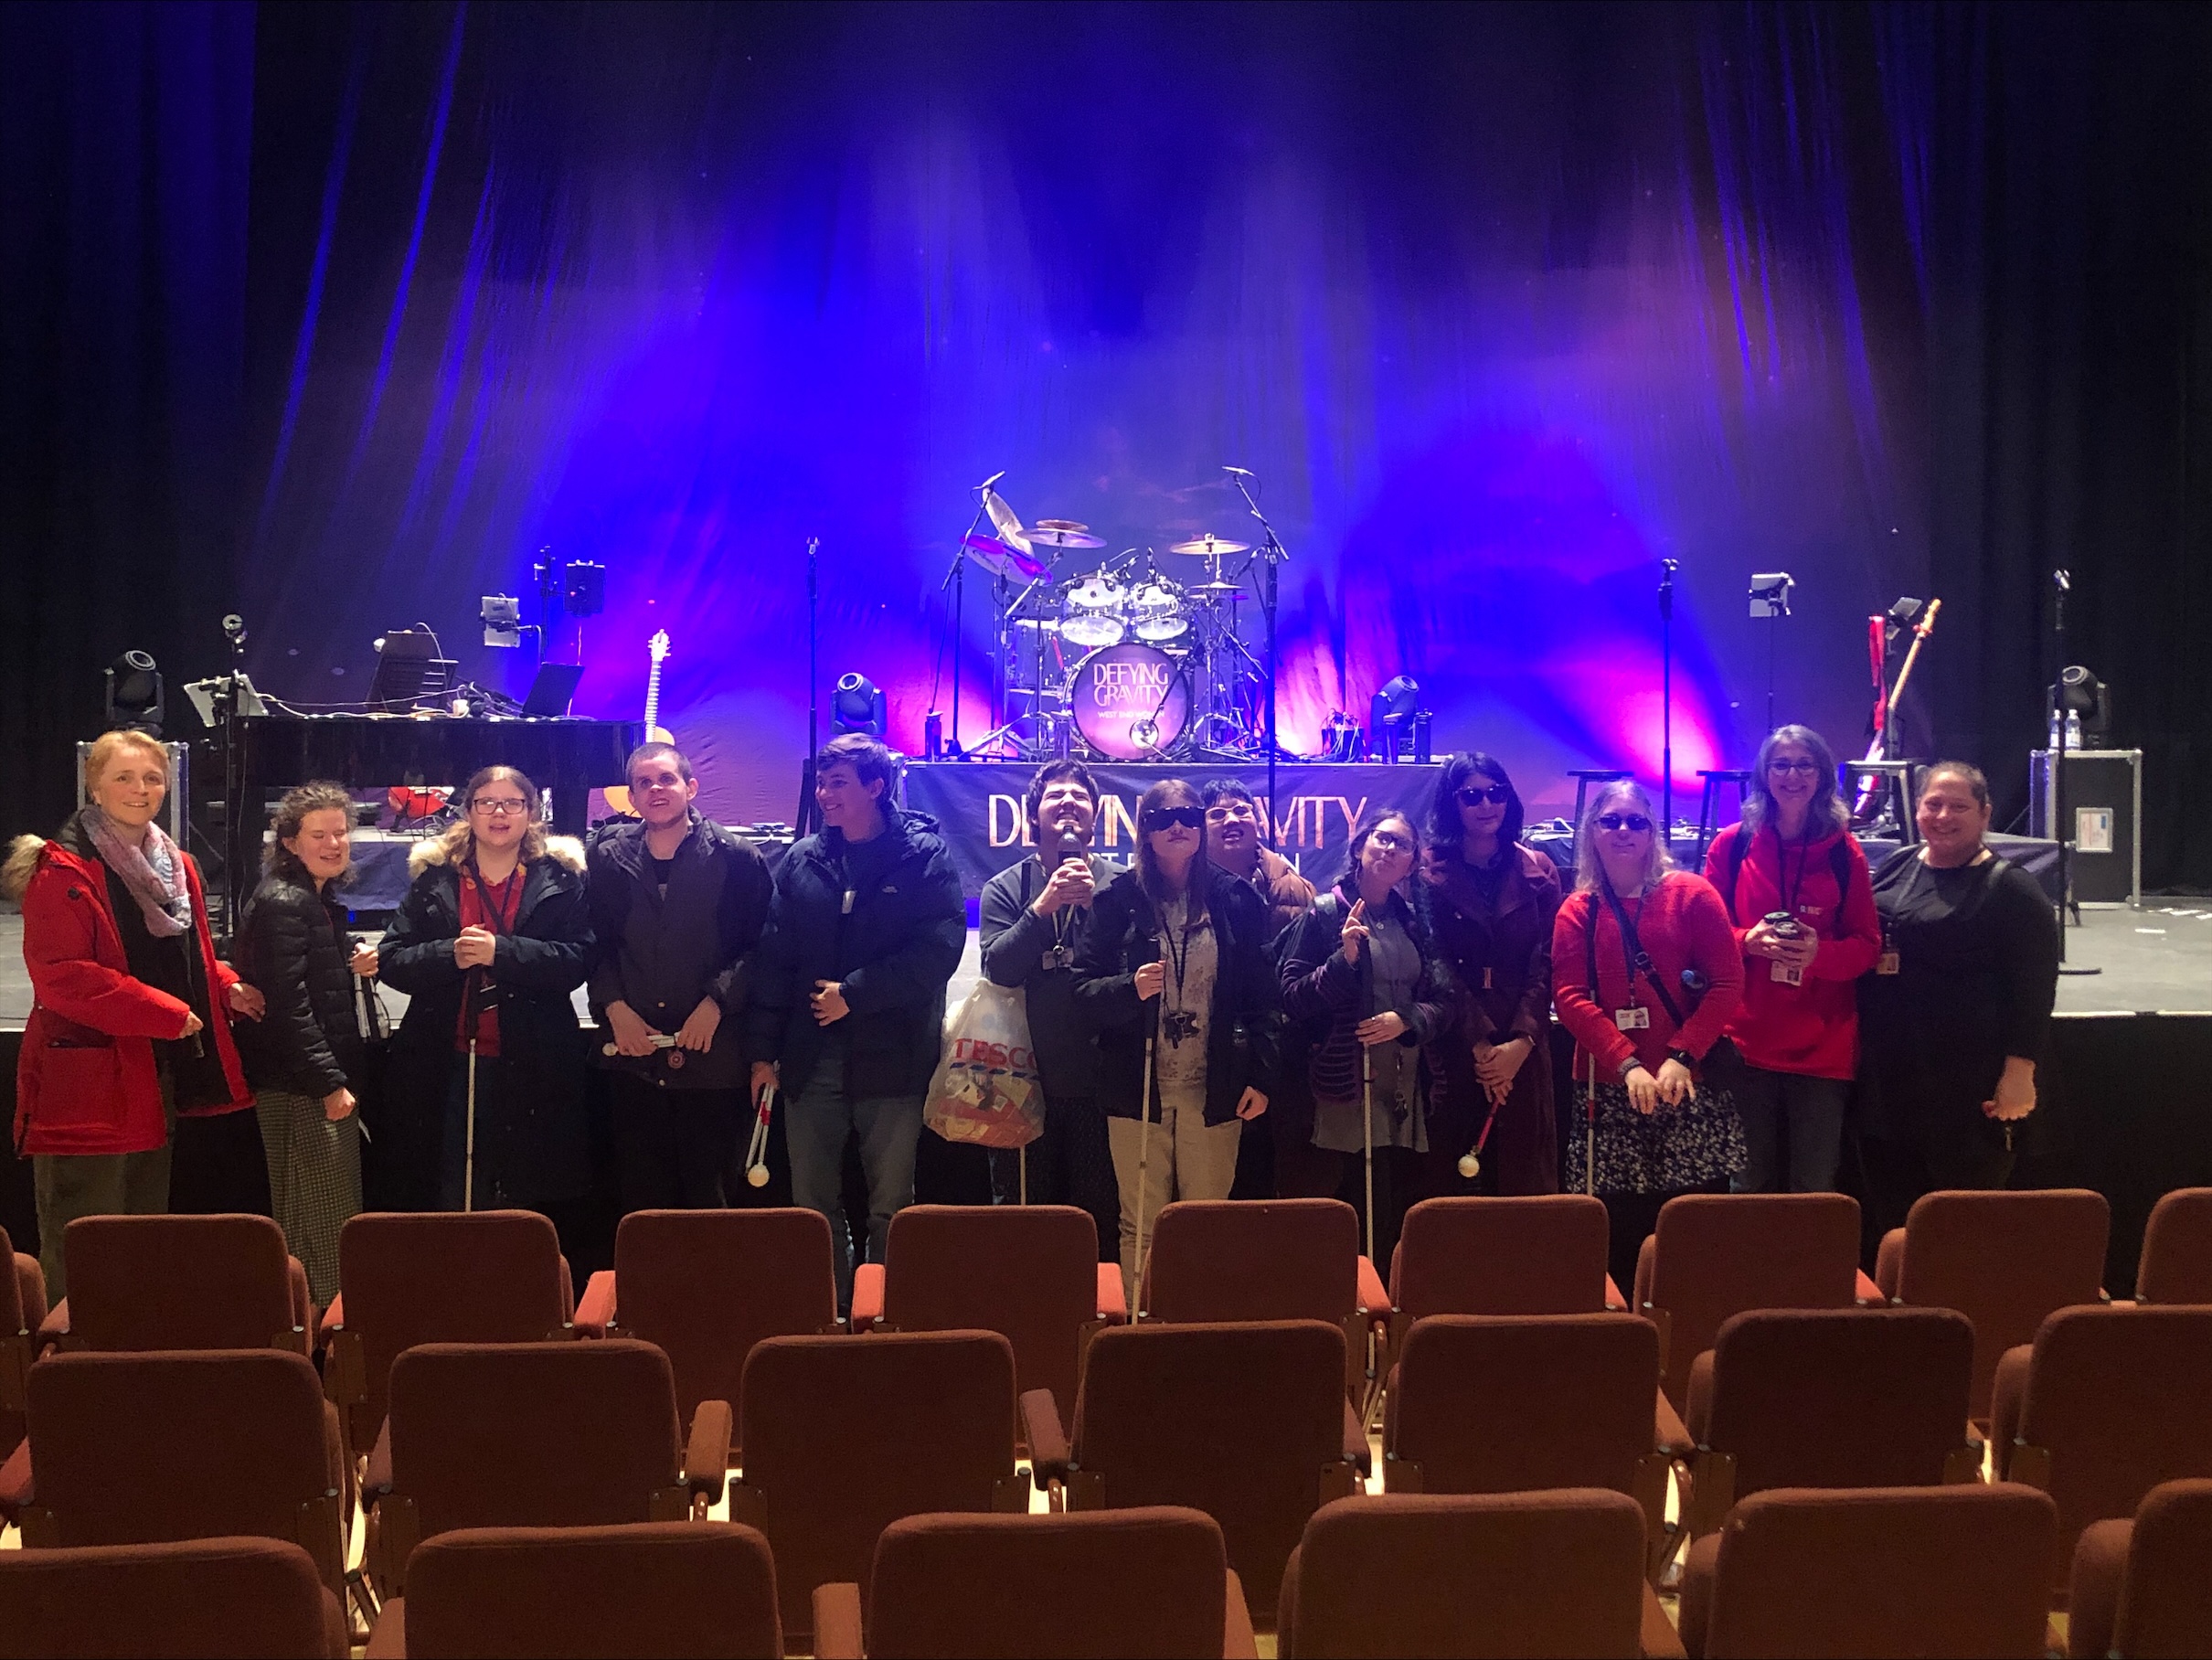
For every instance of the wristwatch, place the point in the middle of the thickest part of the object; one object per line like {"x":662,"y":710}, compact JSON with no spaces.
{"x":1684,"y":1056}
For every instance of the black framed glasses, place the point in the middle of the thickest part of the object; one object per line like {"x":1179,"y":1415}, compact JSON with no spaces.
{"x":1635,"y":821}
{"x":1159,"y":818}
{"x":506,"y":807}
{"x":1474,"y":795}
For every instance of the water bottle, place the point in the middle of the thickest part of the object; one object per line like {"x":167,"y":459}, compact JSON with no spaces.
{"x":2055,"y":731}
{"x":2073,"y":729}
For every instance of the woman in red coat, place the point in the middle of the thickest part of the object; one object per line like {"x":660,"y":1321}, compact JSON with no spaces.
{"x":1802,"y":900}
{"x":1646,"y":973}
{"x":130,"y":1028}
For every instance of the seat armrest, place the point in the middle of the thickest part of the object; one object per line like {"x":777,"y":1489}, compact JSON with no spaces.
{"x":15,"y":1485}
{"x":567,"y":1289}
{"x":1238,"y":1641}
{"x":1699,"y":1398}
{"x":1356,"y":1453}
{"x":868,"y":1295}
{"x":1669,"y":1433}
{"x":30,"y":1286}
{"x":595,"y":1313}
{"x":1889,"y":1265}
{"x":706,"y":1457}
{"x":378,"y":1482}
{"x":1647,"y":1256}
{"x":1049,"y":1450}
{"x":837,"y":1621}
{"x":387,"y":1637}
{"x":1865,"y":1291}
{"x":1113,"y":1301}
{"x":2007,"y":1396}
{"x":54,"y":1328}
{"x":1614,"y":1300}
{"x":1373,"y":1298}
{"x":334,"y":1320}
{"x":303,"y":1300}
{"x":1657,"y":1639}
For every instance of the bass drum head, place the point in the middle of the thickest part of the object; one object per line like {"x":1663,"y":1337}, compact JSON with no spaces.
{"x":1129,"y":701}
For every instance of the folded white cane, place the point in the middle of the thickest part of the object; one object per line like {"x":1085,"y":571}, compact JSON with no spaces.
{"x":756,"y":1150}
{"x":1145,"y":1126}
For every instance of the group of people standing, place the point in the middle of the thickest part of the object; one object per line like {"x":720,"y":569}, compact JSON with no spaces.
{"x":1205,"y":1023}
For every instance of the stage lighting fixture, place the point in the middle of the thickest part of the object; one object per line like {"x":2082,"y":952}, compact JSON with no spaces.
{"x":502,"y":616}
{"x":1770,"y":591}
{"x":858,"y":706}
{"x":2081,"y":693}
{"x":1394,"y":718}
{"x":134,"y":693}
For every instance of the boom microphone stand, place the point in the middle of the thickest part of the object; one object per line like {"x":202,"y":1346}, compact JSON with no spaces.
{"x":956,"y":578}
{"x":1274,"y":556}
{"x":1667,"y":705}
{"x":2063,"y":584}
{"x":808,"y":815}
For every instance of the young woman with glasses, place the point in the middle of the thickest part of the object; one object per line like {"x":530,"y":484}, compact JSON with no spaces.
{"x":1495,"y":901}
{"x":1645,"y":972}
{"x":488,"y":945}
{"x":1172,"y":968}
{"x":1798,"y":892}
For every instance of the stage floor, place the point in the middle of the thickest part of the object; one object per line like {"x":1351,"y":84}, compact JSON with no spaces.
{"x":2156,"y":959}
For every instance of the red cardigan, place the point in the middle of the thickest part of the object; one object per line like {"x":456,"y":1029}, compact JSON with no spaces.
{"x":85,"y":1080}
{"x":1812,"y":1029}
{"x":1682,"y":924}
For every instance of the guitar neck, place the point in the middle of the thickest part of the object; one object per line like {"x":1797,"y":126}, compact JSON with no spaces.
{"x":652,"y":698}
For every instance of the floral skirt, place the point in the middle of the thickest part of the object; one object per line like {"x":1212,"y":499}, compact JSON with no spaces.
{"x":1671,"y":1151}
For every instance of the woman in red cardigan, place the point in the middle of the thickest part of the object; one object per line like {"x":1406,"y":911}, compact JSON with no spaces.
{"x":130,"y":1028}
{"x":1645,"y":972}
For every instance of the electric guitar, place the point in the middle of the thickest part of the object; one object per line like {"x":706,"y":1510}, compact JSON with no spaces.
{"x":618,"y":796}
{"x":1885,"y":706}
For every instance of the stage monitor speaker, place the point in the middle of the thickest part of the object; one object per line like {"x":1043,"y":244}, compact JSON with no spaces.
{"x":2104,"y":805}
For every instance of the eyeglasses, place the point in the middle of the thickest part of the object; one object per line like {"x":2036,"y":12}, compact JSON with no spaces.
{"x":1794,"y":766}
{"x":505,"y":808}
{"x":1159,"y":818}
{"x":1635,"y":821}
{"x":1389,"y":841}
{"x":1474,"y":795}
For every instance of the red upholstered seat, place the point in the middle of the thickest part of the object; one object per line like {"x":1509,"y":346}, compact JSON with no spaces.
{"x":1536,"y":1254}
{"x":255,"y":1599}
{"x":2139,"y":1587}
{"x":22,"y":1311}
{"x":179,"y":1283}
{"x":2177,"y":1261}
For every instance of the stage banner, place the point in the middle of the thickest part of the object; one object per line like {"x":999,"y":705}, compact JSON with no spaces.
{"x":978,"y":807}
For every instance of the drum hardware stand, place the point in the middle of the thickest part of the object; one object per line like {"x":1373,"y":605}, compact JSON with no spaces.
{"x":1276,"y":556}
{"x":2063,"y":584}
{"x":956,"y":579}
{"x":1666,"y":705}
{"x":809,"y":814}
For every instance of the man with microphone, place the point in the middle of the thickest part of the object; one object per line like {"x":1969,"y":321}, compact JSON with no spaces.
{"x":1032,"y":918}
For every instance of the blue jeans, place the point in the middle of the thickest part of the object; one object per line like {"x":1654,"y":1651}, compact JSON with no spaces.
{"x":1788,"y":1110}
{"x":816,"y":1121}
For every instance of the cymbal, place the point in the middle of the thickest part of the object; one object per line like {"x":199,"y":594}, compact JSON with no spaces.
{"x":1017,"y":564}
{"x":1006,"y":521}
{"x":1061,"y":525}
{"x":1209,"y":547}
{"x":1223,"y":587}
{"x":1045,"y":533}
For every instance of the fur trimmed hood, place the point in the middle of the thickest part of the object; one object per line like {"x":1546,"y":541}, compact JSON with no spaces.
{"x":21,"y":866}
{"x":566,"y":851}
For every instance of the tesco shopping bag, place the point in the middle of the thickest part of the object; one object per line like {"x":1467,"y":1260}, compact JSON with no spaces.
{"x":985,"y":1091}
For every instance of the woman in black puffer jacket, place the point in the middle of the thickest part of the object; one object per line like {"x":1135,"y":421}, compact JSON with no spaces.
{"x":305,"y":1058}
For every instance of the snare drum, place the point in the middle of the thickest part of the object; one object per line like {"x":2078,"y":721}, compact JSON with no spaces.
{"x":1094,"y":610}
{"x":1130,"y":702}
{"x":1156,"y":610}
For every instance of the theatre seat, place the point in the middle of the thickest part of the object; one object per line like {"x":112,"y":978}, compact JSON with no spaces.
{"x":534,"y":1435}
{"x":707,"y":1285}
{"x":180,"y":1282}
{"x":1884,"y":1572}
{"x":1557,"y":1573}
{"x":648,"y":1589}
{"x":2177,"y":1261}
{"x":257,"y":1598}
{"x":22,"y":1311}
{"x":2139,"y":1587}
{"x":2002,"y":1260}
{"x":2105,"y":1405}
{"x":1029,"y":1272}
{"x":1148,"y":1582}
{"x":1246,"y":1421}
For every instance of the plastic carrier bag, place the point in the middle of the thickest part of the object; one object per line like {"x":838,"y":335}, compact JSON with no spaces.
{"x":985,"y":1091}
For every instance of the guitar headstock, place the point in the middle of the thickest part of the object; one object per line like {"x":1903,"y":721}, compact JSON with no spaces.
{"x":658,"y":645}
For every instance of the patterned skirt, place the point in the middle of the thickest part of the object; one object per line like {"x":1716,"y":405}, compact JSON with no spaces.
{"x":1672,"y":1151}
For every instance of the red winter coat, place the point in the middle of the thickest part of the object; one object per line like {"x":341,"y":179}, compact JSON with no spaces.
{"x":85,"y":1082}
{"x":1812,"y":1029}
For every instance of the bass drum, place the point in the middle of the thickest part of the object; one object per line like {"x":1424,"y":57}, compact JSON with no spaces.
{"x":1130,"y":702}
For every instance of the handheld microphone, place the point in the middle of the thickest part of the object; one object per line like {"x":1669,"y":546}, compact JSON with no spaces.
{"x":1240,"y":472}
{"x":994,"y":478}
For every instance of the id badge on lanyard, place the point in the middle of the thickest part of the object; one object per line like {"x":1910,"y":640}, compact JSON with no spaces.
{"x":1632,"y":1019}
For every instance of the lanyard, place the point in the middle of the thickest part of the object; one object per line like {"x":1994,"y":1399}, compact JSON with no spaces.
{"x":1804,"y":854}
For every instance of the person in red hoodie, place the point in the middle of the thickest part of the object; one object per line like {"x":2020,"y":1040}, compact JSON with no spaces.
{"x":1798,"y":890}
{"x":1645,"y":975}
{"x":130,"y":1032}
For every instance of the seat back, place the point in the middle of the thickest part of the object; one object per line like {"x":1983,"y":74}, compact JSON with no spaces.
{"x":1713,"y":1255}
{"x":1948,"y":1572}
{"x":533,"y":1434}
{"x":1523,"y":1573}
{"x":235,"y":1596}
{"x":1539,"y":1254}
{"x":1840,"y":1396}
{"x":2177,"y":1261}
{"x":179,"y":1282}
{"x":642,"y":1588}
{"x":2165,"y":1602}
{"x":132,"y":1449}
{"x":842,"y":1436}
{"x":1148,"y":1582}
{"x":1253,"y":1259}
{"x":485,"y":1276}
{"x":1510,"y":1403}
{"x":705,"y":1285}
{"x":1029,"y":1272}
{"x":1244,"y":1421}
{"x":2121,"y":1400}
{"x":2004,"y":1260}
{"x":22,"y":1310}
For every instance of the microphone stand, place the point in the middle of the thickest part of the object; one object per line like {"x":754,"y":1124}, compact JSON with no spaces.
{"x":956,"y":578}
{"x":1274,"y":556}
{"x":809,"y":814}
{"x":1667,"y":705}
{"x":2063,"y":584}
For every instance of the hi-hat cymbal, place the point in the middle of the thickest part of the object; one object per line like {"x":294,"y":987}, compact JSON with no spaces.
{"x":1221,"y":588}
{"x":1209,"y":547}
{"x":1061,"y":525}
{"x":1015,"y":564}
{"x":1046,"y":533}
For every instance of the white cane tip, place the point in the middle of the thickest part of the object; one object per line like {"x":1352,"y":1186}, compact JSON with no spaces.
{"x":1469,"y":1166}
{"x":756,"y":1175}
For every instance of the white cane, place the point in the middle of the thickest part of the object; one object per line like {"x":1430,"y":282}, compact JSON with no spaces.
{"x":1145,"y":1132}
{"x":468,"y":1163}
{"x":756,"y":1150}
{"x":1589,"y":1124}
{"x":1366,"y":1136}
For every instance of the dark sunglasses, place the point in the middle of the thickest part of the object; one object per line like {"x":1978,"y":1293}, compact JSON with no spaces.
{"x":1159,"y":818}
{"x":1635,"y":822}
{"x":1474,"y":795}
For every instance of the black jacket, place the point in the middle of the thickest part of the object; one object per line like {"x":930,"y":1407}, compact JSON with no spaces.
{"x":1243,"y":1025}
{"x":893,"y":952}
{"x":293,"y":947}
{"x":1015,"y":942}
{"x":663,"y":956}
{"x":531,"y":1143}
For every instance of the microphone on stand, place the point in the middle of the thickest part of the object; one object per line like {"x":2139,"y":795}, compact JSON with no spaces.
{"x":1240,"y":472}
{"x":994,"y":478}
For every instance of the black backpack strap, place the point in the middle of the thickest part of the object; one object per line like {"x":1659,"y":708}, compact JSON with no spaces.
{"x":1839,"y":866}
{"x":1738,"y":851}
{"x":1639,"y":960}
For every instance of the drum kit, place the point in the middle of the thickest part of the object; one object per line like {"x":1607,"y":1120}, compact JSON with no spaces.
{"x":1139,"y":657}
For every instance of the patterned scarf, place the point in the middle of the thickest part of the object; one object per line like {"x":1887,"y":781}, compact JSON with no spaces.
{"x":154,"y":872}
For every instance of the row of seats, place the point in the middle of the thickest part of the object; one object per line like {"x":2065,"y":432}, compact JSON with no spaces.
{"x":1875,"y":1572}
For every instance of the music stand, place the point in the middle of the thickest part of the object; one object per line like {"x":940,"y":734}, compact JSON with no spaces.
{"x":553,"y":687}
